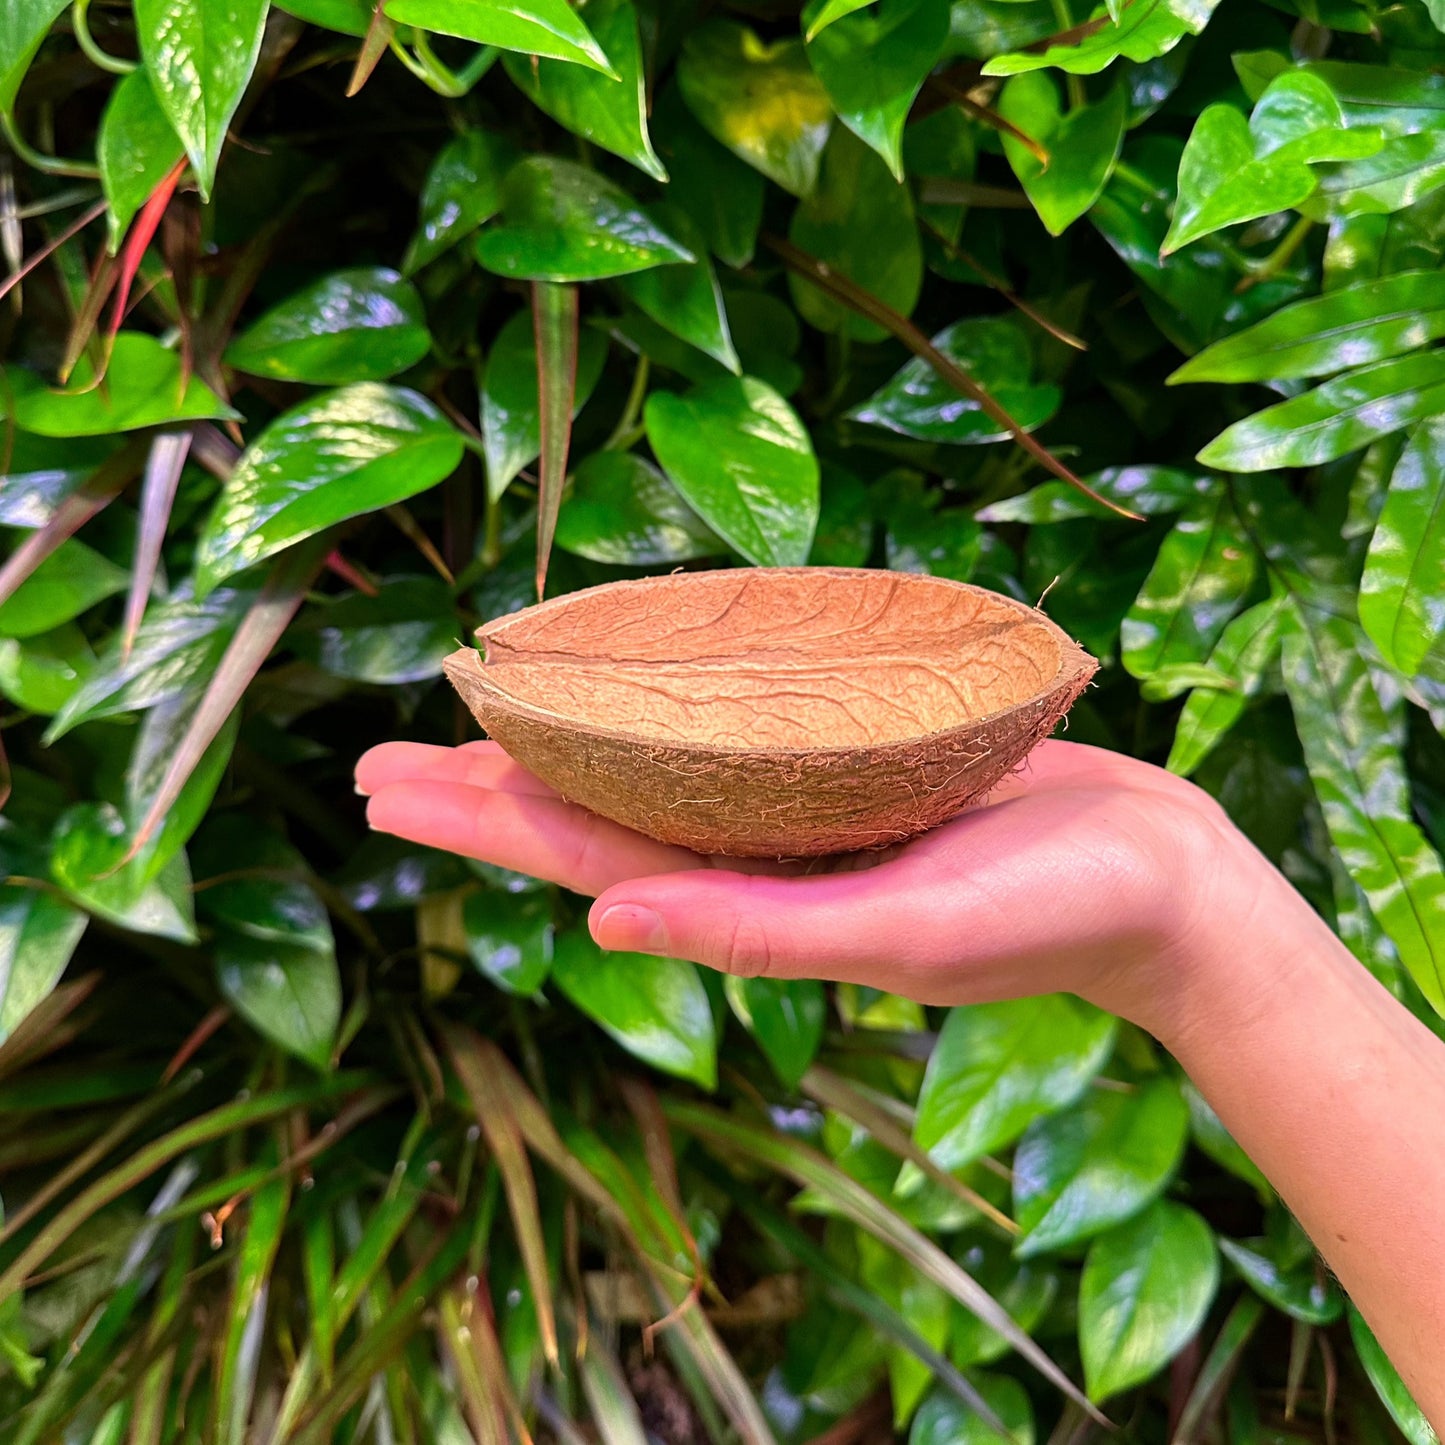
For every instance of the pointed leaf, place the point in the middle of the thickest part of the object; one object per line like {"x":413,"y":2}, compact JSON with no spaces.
{"x":167,"y":458}
{"x":819,"y":14}
{"x":38,"y":934}
{"x":550,"y":28}
{"x":72,"y":579}
{"x":744,"y":462}
{"x":1148,"y":490}
{"x":136,"y":148}
{"x":331,"y":458}
{"x":463,"y":189}
{"x":290,"y":993}
{"x":23,"y":25}
{"x":554,"y":329}
{"x":1145,"y":30}
{"x":510,"y":939}
{"x":1388,"y":1384}
{"x":785,"y":1016}
{"x":943,"y":1419}
{"x":1304,"y":1291}
{"x":398,"y":636}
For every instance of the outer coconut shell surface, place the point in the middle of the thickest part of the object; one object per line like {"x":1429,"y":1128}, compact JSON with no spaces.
{"x":773,"y":712}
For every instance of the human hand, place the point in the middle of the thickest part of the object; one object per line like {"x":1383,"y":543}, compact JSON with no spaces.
{"x":1089,"y":872}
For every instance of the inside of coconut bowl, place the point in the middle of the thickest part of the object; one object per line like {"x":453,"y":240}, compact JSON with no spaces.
{"x":776,"y":658}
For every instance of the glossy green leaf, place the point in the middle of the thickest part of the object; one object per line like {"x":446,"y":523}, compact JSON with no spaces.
{"x":72,"y":579}
{"x":859,"y":222}
{"x":549,"y":28}
{"x":1402,"y":597}
{"x":918,"y":403}
{"x":1304,"y":1292}
{"x":1353,"y":326}
{"x":363,"y":324}
{"x":38,"y":473}
{"x":462,"y":189}
{"x":331,"y":458}
{"x":38,"y":934}
{"x":348,"y":17}
{"x":1338,"y":417}
{"x":1246,"y":648}
{"x":622,"y":510}
{"x":610,"y":113}
{"x":1152,"y":491}
{"x":23,"y":25}
{"x":179,"y":645}
{"x":744,"y":462}
{"x":510,"y":939}
{"x":943,"y":1419}
{"x":1026,"y":1290}
{"x":1145,"y":30}
{"x":1082,"y":146}
{"x":1388,"y":1384}
{"x":199,"y":55}
{"x":288,"y":992}
{"x":251,"y":882}
{"x":997,"y":1066}
{"x":785,"y":1016}
{"x":136,"y":148}
{"x":819,"y":14}
{"x":656,"y":1008}
{"x":1234,"y":170}
{"x":1078,"y":1173}
{"x":1201,"y":574}
{"x":565,"y":222}
{"x":400,"y":635}
{"x":873,"y":65}
{"x":920,"y":536}
{"x":1146,"y":1289}
{"x":844,"y":537}
{"x":144,"y":386}
{"x":760,"y":99}
{"x":44,"y":672}
{"x":511,"y":415}
{"x":1354,"y":760}
{"x":1404,"y":170}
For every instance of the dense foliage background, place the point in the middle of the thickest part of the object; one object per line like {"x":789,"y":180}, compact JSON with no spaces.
{"x":311,"y":1136}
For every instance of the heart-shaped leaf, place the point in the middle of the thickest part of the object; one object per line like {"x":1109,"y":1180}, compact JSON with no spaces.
{"x":336,"y":456}
{"x":565,"y":222}
{"x":550,"y":28}
{"x":510,"y":939}
{"x":398,"y":636}
{"x":744,"y":462}
{"x":761,"y":100}
{"x":785,"y":1016}
{"x":289,"y":992}
{"x":23,"y":25}
{"x":137,"y":147}
{"x":1143,"y":31}
{"x":463,"y":189}
{"x":363,"y":324}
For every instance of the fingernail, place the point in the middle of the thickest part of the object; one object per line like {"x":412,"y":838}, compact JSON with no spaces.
{"x":629,"y":928}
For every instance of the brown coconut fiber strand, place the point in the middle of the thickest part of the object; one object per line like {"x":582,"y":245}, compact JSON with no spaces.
{"x":773,"y":712}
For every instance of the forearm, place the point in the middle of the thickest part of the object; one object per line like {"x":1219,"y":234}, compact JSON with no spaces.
{"x":1338,"y":1094}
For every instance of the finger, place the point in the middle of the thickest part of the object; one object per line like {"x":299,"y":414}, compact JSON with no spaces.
{"x":477,"y":765}
{"x":525,"y":832}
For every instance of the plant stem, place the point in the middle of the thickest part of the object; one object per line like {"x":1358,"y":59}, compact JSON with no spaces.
{"x":1279,"y":258}
{"x":81,"y":25}
{"x":1074,"y":84}
{"x":47,"y":165}
{"x":623,"y":434}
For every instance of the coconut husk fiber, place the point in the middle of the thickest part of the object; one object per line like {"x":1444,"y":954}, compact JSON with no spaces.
{"x":773,"y":712}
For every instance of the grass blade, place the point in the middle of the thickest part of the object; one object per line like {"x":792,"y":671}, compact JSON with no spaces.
{"x":614,"y":1411}
{"x":1219,"y":1366}
{"x":158,"y":491}
{"x":555,"y":310}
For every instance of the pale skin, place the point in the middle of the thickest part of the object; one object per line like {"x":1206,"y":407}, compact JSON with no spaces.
{"x":1089,"y":873}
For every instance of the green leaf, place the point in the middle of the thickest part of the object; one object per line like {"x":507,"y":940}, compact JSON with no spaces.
{"x":548,"y":28}
{"x":1078,"y":1173}
{"x":622,"y":510}
{"x":1146,"y":1289}
{"x":511,"y":414}
{"x":859,"y":222}
{"x":760,"y":99}
{"x":997,"y":1066}
{"x":43,"y":673}
{"x":921,"y":537}
{"x":136,"y":148}
{"x":331,"y":458}
{"x":1304,"y":1291}
{"x":510,"y":939}
{"x":1202,"y":572}
{"x":565,"y":222}
{"x":237,"y":863}
{"x":1354,"y":760}
{"x":607,"y":112}
{"x":1353,"y":326}
{"x":1026,"y":1291}
{"x":462,"y":189}
{"x":744,"y":462}
{"x":1154,"y":491}
{"x":555,"y":310}
{"x":349,"y":17}
{"x":1402,"y":600}
{"x":873,"y":66}
{"x":398,"y":636}
{"x":1338,"y":417}
{"x":918,"y":403}
{"x":686,"y":299}
{"x":72,"y":579}
{"x":1214,"y":1140}
{"x":362,"y":324}
{"x":23,"y":25}
{"x":844,"y":537}
{"x":1082,"y":146}
{"x":38,"y":934}
{"x":143,"y":387}
{"x":1146,"y":30}
{"x":785,"y":1016}
{"x":943,"y":1419}
{"x":199,"y":55}
{"x":819,"y":14}
{"x":656,"y":1008}
{"x":1234,"y":170}
{"x":1388,"y":1384}
{"x":1245,"y":649}
{"x":290,"y":993}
